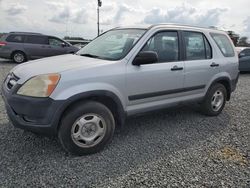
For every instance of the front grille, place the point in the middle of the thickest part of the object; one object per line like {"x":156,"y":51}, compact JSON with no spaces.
{"x":11,"y":81}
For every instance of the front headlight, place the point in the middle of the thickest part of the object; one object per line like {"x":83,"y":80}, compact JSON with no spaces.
{"x":40,"y":86}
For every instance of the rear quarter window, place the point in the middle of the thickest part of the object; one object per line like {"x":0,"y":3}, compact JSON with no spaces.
{"x":224,"y":44}
{"x":15,"y":38}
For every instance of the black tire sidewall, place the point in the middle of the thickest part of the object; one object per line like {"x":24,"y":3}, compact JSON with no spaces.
{"x":73,"y":114}
{"x":207,"y":107}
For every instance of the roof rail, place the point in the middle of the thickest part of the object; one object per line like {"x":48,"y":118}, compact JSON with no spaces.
{"x":21,"y":32}
{"x":184,"y":25}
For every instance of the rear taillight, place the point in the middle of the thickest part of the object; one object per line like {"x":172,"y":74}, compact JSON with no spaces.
{"x":3,"y":43}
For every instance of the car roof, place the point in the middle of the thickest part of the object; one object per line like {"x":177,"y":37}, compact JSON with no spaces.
{"x":26,"y":33}
{"x":170,"y":25}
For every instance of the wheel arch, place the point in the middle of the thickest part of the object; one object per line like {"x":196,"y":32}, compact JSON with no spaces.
{"x":14,"y":51}
{"x":225,"y":81}
{"x":107,"y":98}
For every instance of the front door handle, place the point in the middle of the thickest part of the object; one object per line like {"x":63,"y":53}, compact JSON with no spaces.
{"x":214,"y":65}
{"x":176,"y":68}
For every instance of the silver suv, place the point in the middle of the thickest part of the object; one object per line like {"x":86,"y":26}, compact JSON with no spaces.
{"x":23,"y":46}
{"x":81,"y":98}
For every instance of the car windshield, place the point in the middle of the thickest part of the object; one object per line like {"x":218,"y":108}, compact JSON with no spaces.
{"x":112,"y":45}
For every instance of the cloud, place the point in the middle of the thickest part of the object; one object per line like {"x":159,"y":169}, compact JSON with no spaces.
{"x":122,"y":9}
{"x":118,"y":14}
{"x":64,"y":13}
{"x":246,"y":24}
{"x":62,"y":16}
{"x":55,"y":5}
{"x":80,"y":16}
{"x":106,"y":21}
{"x":16,"y":9}
{"x":107,"y":7}
{"x":185,"y":14}
{"x":155,"y":16}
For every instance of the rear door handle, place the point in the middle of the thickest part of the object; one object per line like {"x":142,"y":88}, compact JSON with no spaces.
{"x":176,"y":68}
{"x":214,"y":65}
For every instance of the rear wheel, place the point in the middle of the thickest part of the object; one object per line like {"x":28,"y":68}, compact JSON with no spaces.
{"x":215,"y":100}
{"x":86,"y":128}
{"x":19,"y":57}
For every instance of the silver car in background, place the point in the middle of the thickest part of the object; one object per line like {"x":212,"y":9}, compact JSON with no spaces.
{"x":24,"y":46}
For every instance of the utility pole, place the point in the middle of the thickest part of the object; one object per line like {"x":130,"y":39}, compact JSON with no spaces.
{"x":99,"y":4}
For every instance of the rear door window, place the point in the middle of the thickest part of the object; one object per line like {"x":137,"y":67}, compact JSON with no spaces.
{"x":196,"y":46}
{"x":33,"y":39}
{"x":15,"y":38}
{"x":224,"y":44}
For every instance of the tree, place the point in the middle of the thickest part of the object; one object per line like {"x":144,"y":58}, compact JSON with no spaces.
{"x":243,"y":41}
{"x":234,"y":37}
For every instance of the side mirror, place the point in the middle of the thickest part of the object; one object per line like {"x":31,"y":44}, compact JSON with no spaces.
{"x":146,"y":57}
{"x":63,"y":44}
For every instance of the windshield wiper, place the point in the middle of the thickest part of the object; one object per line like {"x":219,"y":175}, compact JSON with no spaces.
{"x":90,"y":55}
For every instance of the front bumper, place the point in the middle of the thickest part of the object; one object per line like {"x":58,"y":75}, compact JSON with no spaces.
{"x":40,"y":115}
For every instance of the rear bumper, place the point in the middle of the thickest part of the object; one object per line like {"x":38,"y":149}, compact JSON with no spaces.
{"x":40,"y":115}
{"x":5,"y":52}
{"x":5,"y":55}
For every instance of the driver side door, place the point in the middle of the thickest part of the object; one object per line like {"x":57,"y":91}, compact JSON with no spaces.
{"x":155,"y":84}
{"x":56,"y":47}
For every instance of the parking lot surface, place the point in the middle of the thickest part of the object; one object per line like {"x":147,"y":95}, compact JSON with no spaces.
{"x":177,"y":147}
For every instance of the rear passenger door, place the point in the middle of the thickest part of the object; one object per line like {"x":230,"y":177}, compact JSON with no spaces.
{"x":200,"y":65}
{"x":36,"y":46}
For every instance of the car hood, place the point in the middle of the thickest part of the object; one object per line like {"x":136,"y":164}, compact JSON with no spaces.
{"x":56,"y":64}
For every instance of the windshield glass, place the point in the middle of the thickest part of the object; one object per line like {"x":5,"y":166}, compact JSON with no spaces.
{"x":113,"y":45}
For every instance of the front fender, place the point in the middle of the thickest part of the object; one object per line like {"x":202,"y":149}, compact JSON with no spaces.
{"x":61,"y":93}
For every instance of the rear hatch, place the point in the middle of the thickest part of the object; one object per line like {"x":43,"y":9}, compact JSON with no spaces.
{"x":2,"y":40}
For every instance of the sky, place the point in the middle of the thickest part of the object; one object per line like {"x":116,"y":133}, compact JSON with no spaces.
{"x":79,"y":17}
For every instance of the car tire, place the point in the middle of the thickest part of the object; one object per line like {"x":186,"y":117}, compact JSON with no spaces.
{"x":215,"y":100}
{"x":86,"y":128}
{"x":19,"y":57}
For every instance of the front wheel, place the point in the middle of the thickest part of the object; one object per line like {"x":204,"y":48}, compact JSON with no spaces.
{"x":86,"y":128}
{"x":215,"y":100}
